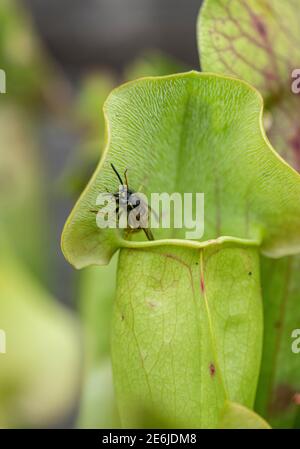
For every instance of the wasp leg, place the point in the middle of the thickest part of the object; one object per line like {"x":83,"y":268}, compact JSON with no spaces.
{"x":149,"y":234}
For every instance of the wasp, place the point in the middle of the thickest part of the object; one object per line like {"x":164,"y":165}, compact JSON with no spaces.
{"x":126,"y":201}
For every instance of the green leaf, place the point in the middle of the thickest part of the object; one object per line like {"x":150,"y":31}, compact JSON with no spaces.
{"x":235,"y":416}
{"x":185,"y":133}
{"x":173,"y":133}
{"x":259,"y":41}
{"x":187,"y":331}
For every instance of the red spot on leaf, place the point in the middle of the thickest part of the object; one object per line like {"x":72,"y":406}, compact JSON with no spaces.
{"x":259,"y":26}
{"x":212,"y":369}
{"x":202,"y":284}
{"x":152,"y":304}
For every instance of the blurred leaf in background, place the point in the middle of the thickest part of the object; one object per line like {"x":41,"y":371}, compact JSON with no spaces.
{"x":40,"y":372}
{"x":152,"y":63}
{"x":23,"y":213}
{"x":87,"y":118}
{"x":28,"y":70}
{"x":20,"y":54}
{"x":97,"y":293}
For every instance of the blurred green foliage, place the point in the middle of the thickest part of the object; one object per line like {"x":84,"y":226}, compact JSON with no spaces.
{"x":27,"y":69}
{"x":40,"y":372}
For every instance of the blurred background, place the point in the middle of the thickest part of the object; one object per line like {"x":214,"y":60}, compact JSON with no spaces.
{"x":61,"y":59}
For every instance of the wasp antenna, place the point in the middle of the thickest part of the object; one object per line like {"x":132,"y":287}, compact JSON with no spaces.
{"x":116,"y":172}
{"x":126,"y":179}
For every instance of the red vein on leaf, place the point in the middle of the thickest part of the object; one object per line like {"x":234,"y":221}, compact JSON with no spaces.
{"x":282,"y":313}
